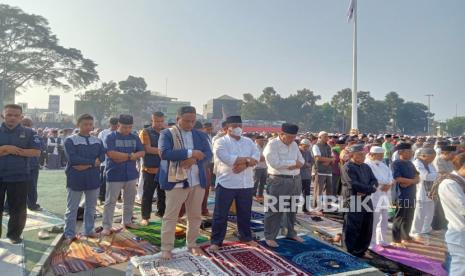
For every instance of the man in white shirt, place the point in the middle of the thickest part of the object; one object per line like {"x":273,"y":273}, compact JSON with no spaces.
{"x":284,"y":161}
{"x":236,"y":156}
{"x":452,"y":195}
{"x":260,"y":171}
{"x":424,"y":205}
{"x":380,"y":198}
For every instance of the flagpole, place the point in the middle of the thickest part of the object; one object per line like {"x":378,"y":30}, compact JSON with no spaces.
{"x":354,"y":71}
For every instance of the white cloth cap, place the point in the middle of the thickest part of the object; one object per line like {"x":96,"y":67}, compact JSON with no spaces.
{"x":376,"y":149}
{"x":305,"y":142}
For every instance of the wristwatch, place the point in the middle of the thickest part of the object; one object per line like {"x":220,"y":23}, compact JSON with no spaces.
{"x":129,"y":156}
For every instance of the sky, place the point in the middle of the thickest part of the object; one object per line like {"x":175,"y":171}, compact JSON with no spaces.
{"x":207,"y":48}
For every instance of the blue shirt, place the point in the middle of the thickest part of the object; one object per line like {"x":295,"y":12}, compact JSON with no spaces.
{"x":406,"y":169}
{"x":14,"y":168}
{"x":102,"y":136}
{"x":127,"y":170}
{"x":83,"y":150}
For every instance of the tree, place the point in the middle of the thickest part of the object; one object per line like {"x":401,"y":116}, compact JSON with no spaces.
{"x":30,"y":53}
{"x":105,"y":100}
{"x":393,"y":103}
{"x":252,"y":109}
{"x":456,"y":126}
{"x":412,"y":117}
{"x":135,"y":96}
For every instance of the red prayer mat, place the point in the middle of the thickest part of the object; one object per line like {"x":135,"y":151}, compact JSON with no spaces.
{"x":240,"y":259}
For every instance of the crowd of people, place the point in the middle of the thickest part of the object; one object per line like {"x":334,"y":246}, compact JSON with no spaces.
{"x":179,"y":164}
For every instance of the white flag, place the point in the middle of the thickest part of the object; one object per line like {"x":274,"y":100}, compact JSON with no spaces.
{"x":351,"y":11}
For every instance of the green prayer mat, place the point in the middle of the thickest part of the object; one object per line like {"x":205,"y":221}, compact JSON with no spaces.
{"x":152,"y":234}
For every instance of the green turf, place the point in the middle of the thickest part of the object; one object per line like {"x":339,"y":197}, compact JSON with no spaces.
{"x":152,"y":234}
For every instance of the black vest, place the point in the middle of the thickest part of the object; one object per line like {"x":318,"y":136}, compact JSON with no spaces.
{"x":325,"y":151}
{"x":152,"y":160}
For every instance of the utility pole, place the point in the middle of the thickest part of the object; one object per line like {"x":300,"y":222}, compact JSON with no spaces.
{"x":429,"y":112}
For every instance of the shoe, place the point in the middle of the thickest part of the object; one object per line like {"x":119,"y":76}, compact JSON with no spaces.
{"x":144,"y":222}
{"x":43,"y":235}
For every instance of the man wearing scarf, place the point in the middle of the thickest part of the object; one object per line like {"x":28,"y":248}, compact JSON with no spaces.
{"x":184,"y":152}
{"x":451,"y":191}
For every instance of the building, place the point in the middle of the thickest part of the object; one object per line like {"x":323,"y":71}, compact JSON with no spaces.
{"x":222,"y":107}
{"x":54,"y":103}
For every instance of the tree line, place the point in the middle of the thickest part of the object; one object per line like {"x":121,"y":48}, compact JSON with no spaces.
{"x":392,"y":114}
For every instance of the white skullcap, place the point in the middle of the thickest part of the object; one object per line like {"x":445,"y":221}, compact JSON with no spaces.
{"x":322,"y":133}
{"x":376,"y":149}
{"x":305,"y":142}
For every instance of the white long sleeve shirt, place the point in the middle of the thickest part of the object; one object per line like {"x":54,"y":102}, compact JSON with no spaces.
{"x":381,"y":171}
{"x":425,"y":175}
{"x":279,"y":157}
{"x":453,"y":202}
{"x":226,"y":150}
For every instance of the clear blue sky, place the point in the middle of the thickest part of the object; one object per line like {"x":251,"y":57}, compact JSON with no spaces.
{"x":207,"y":48}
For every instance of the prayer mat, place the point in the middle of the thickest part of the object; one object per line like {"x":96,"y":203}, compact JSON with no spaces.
{"x":411,"y":259}
{"x":230,"y":230}
{"x":12,"y":260}
{"x":152,"y":234}
{"x":119,"y":209}
{"x":257,"y":223}
{"x":325,"y":226}
{"x":182,"y":263}
{"x":318,"y":258}
{"x":431,"y":247}
{"x":38,"y":220}
{"x":87,"y":254}
{"x":240,"y":259}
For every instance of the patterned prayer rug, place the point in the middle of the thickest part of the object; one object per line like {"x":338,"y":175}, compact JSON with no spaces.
{"x":230,"y":231}
{"x":240,"y":259}
{"x":318,"y":258}
{"x":11,"y":258}
{"x":38,"y":220}
{"x":325,"y":226}
{"x":257,"y":221}
{"x":152,"y":234}
{"x":411,"y":259}
{"x":183,"y":263}
{"x":83,"y":255}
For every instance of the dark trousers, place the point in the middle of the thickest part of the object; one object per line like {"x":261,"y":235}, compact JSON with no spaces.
{"x":150,"y":185}
{"x":16,"y":193}
{"x":208,"y":173}
{"x":306,"y":184}
{"x":259,"y":180}
{"x":357,"y":229}
{"x":32,"y":188}
{"x":223,"y":200}
{"x":402,"y":222}
{"x":103,"y":184}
